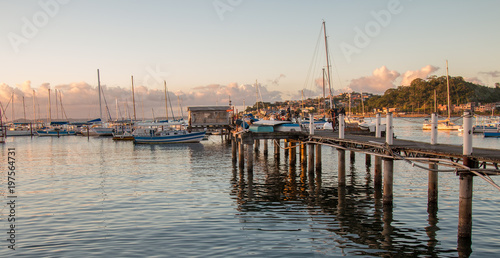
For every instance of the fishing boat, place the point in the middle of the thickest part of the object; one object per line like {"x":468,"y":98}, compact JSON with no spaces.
{"x":445,"y":124}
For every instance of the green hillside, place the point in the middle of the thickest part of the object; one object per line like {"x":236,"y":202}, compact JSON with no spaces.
{"x":420,"y":94}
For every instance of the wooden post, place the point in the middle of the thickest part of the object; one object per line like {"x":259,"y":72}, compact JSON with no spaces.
{"x":388,"y":181}
{"x":389,"y":135}
{"x":378,"y":128}
{"x":368,"y":159}
{"x":233,"y":150}
{"x":434,"y":128}
{"x":341,"y":126}
{"x":250,"y":157}
{"x":277,"y":149}
{"x":318,"y":157}
{"x":303,"y":153}
{"x":432,"y":192}
{"x":377,"y":176}
{"x":466,"y":182}
{"x":265,"y":147}
{"x":353,"y":156}
{"x":256,"y":145}
{"x":341,"y":167}
{"x":293,"y":153}
{"x":310,"y":157}
{"x":241,"y":158}
{"x":286,"y":144}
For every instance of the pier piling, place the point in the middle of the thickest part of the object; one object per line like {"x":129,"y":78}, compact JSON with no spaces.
{"x":432,"y":192}
{"x":466,"y":182}
{"x":434,"y":128}
{"x":318,"y":157}
{"x":389,"y":135}
{"x":233,"y":150}
{"x":277,"y":150}
{"x":241,"y":154}
{"x":310,"y":157}
{"x":368,"y":160}
{"x":293,"y":153}
{"x":341,"y":167}
{"x":388,"y":181}
{"x":250,"y":157}
{"x":378,"y":124}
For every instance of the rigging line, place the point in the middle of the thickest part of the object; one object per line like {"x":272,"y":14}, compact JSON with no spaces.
{"x":311,"y":70}
{"x":106,"y":103}
{"x":62,"y":107}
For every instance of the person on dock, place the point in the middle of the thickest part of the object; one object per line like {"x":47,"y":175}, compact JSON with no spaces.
{"x":334,"y":113}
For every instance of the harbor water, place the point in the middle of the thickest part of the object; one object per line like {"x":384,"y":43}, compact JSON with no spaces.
{"x":79,"y":197}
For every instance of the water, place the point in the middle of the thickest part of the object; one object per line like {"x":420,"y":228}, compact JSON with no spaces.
{"x":99,"y":198}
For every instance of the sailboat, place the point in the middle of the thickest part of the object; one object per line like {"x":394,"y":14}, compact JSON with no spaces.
{"x":166,"y":131}
{"x":99,"y":128}
{"x":445,"y":124}
{"x":55,"y":128}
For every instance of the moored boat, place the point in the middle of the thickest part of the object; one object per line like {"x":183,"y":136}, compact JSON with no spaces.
{"x":56,"y":129}
{"x":170,"y":136}
{"x":491,"y":134}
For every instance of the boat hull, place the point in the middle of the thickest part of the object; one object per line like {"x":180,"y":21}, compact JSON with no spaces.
{"x":491,"y":134}
{"x":19,"y":132}
{"x":55,"y":133}
{"x":194,"y":137}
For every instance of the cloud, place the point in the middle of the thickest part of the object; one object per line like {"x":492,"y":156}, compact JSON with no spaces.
{"x":81,"y":100}
{"x":380,"y":80}
{"x":474,"y":80}
{"x":494,"y":74}
{"x":409,"y":76}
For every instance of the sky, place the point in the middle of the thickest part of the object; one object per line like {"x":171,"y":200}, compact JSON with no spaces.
{"x":208,"y":51}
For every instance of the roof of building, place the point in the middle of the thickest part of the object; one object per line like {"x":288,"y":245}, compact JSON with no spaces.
{"x":209,"y":108}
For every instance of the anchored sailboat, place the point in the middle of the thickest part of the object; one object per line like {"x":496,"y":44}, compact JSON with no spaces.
{"x":445,"y":124}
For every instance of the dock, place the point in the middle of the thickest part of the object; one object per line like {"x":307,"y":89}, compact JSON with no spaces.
{"x":465,"y":161}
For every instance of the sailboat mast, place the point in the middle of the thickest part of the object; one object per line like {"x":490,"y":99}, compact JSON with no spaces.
{"x":116,"y":108}
{"x":166,"y":102}
{"x":34,"y":108}
{"x":448,"y":88}
{"x":328,"y":65}
{"x":24,"y":110}
{"x":57,"y":107}
{"x":99,"y":89}
{"x":324,"y":82}
{"x":133,"y":97}
{"x":257,"y":96}
{"x":50,"y":113}
{"x":180,"y":107}
{"x":13,"y":117}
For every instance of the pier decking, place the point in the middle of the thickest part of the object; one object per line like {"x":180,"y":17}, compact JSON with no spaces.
{"x":407,"y":148}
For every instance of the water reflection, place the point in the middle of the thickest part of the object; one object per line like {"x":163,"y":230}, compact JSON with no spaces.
{"x":353,"y":213}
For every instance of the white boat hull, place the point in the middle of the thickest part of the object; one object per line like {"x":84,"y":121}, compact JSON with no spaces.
{"x":193,"y":137}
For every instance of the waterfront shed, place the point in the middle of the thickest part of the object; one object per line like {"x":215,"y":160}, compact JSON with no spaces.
{"x":209,"y":116}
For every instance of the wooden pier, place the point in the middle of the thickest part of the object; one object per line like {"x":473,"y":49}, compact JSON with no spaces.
{"x":465,"y":161}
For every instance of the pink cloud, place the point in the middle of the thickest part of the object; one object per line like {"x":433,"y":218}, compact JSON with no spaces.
{"x":380,"y":80}
{"x":409,"y":76}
